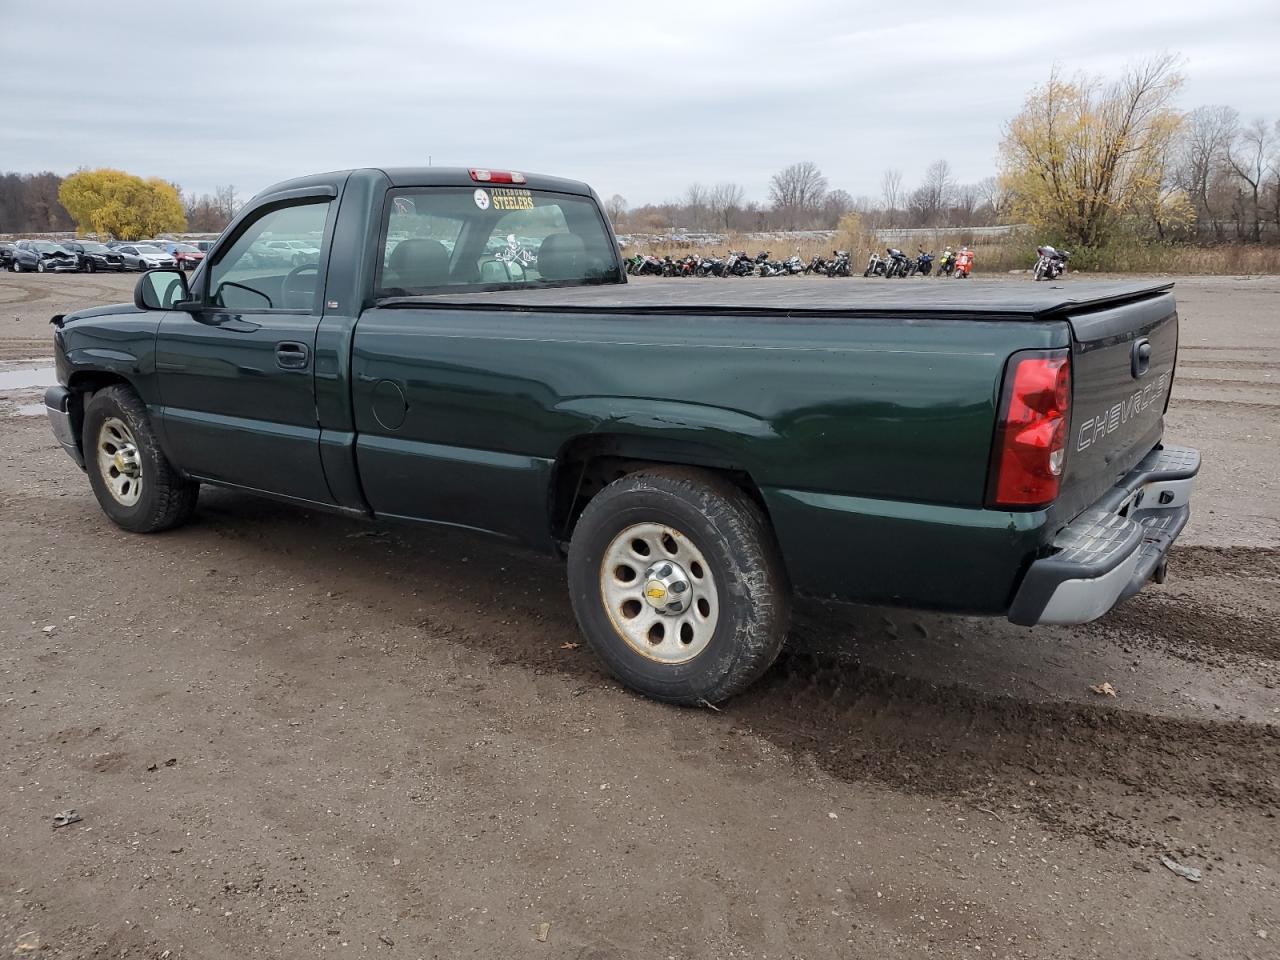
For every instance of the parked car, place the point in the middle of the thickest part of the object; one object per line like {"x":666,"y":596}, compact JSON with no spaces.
{"x":204,"y":246}
{"x":139,"y":256}
{"x":43,"y":256}
{"x":6,"y":255}
{"x":262,"y":254}
{"x":696,"y":451}
{"x":297,"y":252}
{"x":187,"y":255}
{"x":92,"y":256}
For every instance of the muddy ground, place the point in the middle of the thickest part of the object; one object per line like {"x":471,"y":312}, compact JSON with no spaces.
{"x":293,"y":735}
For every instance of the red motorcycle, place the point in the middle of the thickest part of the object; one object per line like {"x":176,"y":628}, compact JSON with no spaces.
{"x":964,"y":263}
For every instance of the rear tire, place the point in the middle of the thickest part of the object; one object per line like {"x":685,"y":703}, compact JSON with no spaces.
{"x":721,"y":614}
{"x":134,"y":483}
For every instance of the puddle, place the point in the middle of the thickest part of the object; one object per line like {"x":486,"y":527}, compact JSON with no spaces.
{"x":27,"y":379}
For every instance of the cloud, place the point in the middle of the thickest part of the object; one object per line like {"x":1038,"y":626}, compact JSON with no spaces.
{"x":636,"y":103}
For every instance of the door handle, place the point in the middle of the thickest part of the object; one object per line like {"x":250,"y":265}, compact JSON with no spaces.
{"x":1140,"y":359}
{"x":291,"y":355}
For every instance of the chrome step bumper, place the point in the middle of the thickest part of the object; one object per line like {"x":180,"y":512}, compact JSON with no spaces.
{"x":1114,"y":548}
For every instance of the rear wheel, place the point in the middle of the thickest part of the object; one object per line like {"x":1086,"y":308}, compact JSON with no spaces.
{"x":678,"y":585}
{"x":133,"y":481}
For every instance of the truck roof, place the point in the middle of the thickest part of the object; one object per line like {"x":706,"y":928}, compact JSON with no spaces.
{"x":426,"y":177}
{"x":808,"y":296}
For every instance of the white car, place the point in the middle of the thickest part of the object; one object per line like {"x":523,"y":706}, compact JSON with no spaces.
{"x":141,"y":258}
{"x":297,"y":252}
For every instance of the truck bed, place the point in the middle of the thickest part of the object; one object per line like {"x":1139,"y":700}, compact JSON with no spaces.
{"x":812,"y":295}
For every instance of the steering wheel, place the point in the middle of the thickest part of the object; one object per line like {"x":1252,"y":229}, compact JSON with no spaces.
{"x":296,"y":295}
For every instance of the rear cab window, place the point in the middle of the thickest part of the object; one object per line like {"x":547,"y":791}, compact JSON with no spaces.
{"x":438,"y":239}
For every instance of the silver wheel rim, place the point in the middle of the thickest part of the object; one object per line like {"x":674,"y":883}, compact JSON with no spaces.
{"x":119,"y":462}
{"x":659,"y":592}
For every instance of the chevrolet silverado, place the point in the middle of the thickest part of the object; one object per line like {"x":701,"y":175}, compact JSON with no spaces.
{"x":465,"y":349}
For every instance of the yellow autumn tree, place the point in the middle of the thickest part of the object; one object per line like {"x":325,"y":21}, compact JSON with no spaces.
{"x":115,"y":203}
{"x":1084,"y":154}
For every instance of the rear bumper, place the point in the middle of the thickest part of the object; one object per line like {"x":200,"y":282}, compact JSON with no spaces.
{"x":57,"y":404}
{"x":1109,"y":552}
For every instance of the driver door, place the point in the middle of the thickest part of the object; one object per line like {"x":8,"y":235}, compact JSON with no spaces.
{"x":236,"y":375}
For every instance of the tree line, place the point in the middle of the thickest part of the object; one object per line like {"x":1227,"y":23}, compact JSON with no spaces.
{"x":35,"y":203}
{"x":801,"y":198}
{"x":1087,"y":161}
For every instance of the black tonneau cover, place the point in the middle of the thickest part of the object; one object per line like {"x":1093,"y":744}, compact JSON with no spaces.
{"x":1006,"y":299}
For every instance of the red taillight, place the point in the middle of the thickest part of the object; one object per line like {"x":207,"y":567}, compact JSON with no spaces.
{"x":1031,"y":435}
{"x":496,"y":176}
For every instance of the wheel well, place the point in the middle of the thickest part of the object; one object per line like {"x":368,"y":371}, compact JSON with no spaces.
{"x":91,"y":381}
{"x":587,"y":465}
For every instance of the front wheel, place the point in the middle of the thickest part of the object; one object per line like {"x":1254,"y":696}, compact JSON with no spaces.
{"x":39,"y":266}
{"x":677,"y":584}
{"x":134,"y":483}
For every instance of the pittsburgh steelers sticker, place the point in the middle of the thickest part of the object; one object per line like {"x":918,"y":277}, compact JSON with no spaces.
{"x":508,"y":198}
{"x":482,"y":199}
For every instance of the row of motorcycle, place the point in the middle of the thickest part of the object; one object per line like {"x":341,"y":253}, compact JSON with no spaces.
{"x":736,"y":264}
{"x":1050,"y":264}
{"x":895,"y":263}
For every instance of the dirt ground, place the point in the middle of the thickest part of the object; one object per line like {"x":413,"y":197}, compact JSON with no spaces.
{"x":292,"y":735}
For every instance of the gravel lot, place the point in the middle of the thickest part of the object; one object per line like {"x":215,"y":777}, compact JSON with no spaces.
{"x":292,"y":735}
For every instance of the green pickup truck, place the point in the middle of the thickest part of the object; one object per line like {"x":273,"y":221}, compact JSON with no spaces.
{"x":462,"y":347}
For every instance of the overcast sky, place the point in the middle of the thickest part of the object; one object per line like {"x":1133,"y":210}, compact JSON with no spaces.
{"x":639,"y":99}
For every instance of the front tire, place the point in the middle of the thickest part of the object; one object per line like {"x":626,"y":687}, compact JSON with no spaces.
{"x":678,"y":585}
{"x":134,"y":483}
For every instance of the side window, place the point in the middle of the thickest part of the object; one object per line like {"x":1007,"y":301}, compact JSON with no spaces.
{"x":259,"y":272}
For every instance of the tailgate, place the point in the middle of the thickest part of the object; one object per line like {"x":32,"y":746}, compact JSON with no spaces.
{"x":1122,"y":361}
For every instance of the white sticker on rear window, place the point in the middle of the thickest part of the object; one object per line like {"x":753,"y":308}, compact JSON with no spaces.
{"x":482,"y":199}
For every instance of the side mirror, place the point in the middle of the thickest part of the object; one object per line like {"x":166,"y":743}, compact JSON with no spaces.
{"x":161,"y":290}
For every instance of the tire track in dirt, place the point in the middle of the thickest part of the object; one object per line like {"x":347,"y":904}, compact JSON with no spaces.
{"x":1227,"y":364}
{"x":1235,"y":405}
{"x":859,"y":723}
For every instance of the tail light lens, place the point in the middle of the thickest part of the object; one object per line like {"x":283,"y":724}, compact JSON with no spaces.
{"x":1031,"y":433}
{"x":496,"y":176}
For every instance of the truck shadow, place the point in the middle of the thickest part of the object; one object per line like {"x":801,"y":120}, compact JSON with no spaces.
{"x":915,"y":702}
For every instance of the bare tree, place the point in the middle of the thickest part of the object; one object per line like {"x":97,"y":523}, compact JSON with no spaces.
{"x":615,"y":209}
{"x":1206,"y":137}
{"x":930,"y":200}
{"x":723,"y":201}
{"x":695,"y":205}
{"x":835,"y":205}
{"x":964,"y":201}
{"x":226,"y":202}
{"x":995,"y":196}
{"x":797,"y":192}
{"x":891,"y":193}
{"x":1248,"y":157}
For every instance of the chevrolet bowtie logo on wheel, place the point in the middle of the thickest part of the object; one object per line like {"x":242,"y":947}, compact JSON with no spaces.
{"x":655,"y":591}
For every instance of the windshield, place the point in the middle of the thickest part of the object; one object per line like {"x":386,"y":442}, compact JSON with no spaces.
{"x":43,"y":246}
{"x":93,"y":247}
{"x":142,"y":248}
{"x":491,"y":237}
